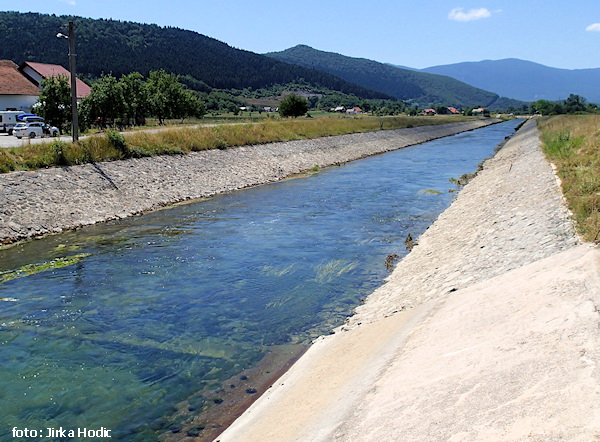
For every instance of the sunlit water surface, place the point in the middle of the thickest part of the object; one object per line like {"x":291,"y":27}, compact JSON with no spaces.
{"x":162,"y":306}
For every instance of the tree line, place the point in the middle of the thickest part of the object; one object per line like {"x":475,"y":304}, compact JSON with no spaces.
{"x":574,"y":104}
{"x":124,"y":102}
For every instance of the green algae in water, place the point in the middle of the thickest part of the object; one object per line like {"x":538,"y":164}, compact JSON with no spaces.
{"x":429,"y":192}
{"x":32,"y":269}
{"x":268,"y":270}
{"x":335,"y":268}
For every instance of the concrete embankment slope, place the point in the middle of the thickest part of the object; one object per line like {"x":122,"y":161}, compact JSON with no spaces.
{"x":487,"y":330}
{"x":51,"y":200}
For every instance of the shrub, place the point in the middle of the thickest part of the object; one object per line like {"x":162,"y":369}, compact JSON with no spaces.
{"x":117,"y":140}
{"x":58,"y":150}
{"x":293,"y":106}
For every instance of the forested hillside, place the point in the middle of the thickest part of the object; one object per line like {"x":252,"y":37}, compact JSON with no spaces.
{"x":422,"y":88}
{"x":109,"y":46}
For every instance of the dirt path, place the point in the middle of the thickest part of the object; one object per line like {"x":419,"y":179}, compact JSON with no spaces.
{"x":487,"y":330}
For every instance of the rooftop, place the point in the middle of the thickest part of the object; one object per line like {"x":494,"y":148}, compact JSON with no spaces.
{"x":12,"y":82}
{"x":55,"y":70}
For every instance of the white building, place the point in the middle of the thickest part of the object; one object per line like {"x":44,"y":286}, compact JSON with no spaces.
{"x":38,"y":71}
{"x":16,"y":91}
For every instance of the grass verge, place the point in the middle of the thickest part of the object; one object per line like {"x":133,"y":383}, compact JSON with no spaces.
{"x":572,"y":143}
{"x":109,"y":146}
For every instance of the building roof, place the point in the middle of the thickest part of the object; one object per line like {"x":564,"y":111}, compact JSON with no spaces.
{"x":12,"y":82}
{"x":55,"y":70}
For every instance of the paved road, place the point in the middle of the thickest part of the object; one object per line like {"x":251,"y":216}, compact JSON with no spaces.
{"x":12,"y":141}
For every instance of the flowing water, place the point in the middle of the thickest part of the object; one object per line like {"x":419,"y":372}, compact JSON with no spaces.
{"x":119,"y":324}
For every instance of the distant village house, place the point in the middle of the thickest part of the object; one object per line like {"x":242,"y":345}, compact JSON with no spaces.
{"x":16,"y":91}
{"x":20,"y":85}
{"x":35,"y":72}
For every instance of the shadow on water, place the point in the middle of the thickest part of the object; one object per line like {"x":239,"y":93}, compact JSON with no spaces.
{"x":172,"y":321}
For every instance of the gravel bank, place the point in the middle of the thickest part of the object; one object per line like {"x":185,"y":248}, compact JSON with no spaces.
{"x":511,"y":215}
{"x":51,"y":200}
{"x":487,"y":330}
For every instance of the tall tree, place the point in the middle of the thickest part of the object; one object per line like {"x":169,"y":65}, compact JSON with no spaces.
{"x":135,"y":98}
{"x":165,"y":94}
{"x":191,"y":106}
{"x":105,"y":103}
{"x":55,"y":101}
{"x":574,"y":104}
{"x":169,"y":99}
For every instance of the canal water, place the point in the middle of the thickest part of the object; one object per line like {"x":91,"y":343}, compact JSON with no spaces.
{"x":117,"y":325}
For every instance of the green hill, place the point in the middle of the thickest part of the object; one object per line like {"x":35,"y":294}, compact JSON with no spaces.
{"x":422,"y":88}
{"x":109,"y":46}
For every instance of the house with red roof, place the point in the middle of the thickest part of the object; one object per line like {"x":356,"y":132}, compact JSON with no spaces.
{"x":354,"y":110}
{"x":16,"y":91}
{"x":35,"y":72}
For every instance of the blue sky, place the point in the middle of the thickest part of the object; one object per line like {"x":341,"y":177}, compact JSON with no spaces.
{"x":414,"y":33}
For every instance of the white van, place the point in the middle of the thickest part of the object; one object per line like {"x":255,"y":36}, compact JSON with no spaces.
{"x":8,"y":119}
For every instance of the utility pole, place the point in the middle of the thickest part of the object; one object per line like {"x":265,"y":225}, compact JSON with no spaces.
{"x":72,"y":55}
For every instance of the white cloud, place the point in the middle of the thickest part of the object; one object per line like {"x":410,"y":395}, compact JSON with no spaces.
{"x":459,"y":14}
{"x":69,"y":2}
{"x":593,"y":28}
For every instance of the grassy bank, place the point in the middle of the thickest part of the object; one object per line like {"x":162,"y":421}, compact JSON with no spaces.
{"x":182,"y":140}
{"x":572,"y":143}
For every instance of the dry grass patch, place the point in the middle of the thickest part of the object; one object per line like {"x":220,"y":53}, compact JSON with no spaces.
{"x":572,"y":143}
{"x":182,"y":140}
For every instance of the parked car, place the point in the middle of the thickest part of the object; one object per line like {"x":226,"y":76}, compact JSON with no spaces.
{"x":35,"y":129}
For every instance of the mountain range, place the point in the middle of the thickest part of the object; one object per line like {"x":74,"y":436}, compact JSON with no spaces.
{"x":116,"y":47}
{"x":525,"y":80}
{"x":424,"y":89}
{"x":486,"y":82}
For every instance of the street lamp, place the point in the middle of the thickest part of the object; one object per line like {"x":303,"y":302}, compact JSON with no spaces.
{"x":72,"y":55}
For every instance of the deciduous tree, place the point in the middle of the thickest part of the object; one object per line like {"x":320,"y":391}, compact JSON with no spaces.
{"x":105,"y":102}
{"x":55,"y":101}
{"x":166,"y":95}
{"x":293,"y":106}
{"x":135,"y":98}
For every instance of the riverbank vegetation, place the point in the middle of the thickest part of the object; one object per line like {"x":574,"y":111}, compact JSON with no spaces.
{"x":574,"y":104}
{"x":181,"y":140}
{"x":571,"y":143}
